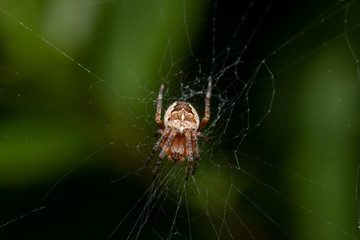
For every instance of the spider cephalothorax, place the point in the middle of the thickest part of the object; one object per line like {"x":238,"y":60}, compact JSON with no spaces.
{"x":179,"y":132}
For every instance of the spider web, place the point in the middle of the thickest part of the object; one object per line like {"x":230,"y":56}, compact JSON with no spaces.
{"x":79,"y":82}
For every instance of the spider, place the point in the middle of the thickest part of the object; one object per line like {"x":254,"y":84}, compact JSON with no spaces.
{"x":179,"y":132}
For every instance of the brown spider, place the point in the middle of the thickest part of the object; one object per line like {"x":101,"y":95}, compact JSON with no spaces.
{"x":179,"y":132}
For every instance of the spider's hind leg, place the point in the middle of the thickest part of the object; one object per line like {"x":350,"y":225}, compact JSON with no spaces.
{"x":206,"y":118}
{"x":158,"y":108}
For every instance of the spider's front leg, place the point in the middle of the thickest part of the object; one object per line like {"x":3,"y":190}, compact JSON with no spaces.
{"x":162,"y":154}
{"x":164,"y":134}
{"x":189,"y":152}
{"x":196,"y":148}
{"x":196,"y":151}
{"x":158,"y":132}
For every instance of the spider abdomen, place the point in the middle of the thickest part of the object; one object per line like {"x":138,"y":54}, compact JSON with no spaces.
{"x":181,"y":116}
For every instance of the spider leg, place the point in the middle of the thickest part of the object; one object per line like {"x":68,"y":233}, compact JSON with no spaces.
{"x":158,"y":108}
{"x":163,"y":152}
{"x":196,"y":151}
{"x":206,"y":118}
{"x":164,"y":134}
{"x":158,"y":132}
{"x":204,"y":138}
{"x":188,"y":153}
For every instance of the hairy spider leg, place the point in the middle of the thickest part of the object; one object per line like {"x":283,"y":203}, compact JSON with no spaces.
{"x":188,"y":153}
{"x":164,"y":134}
{"x":206,"y":118}
{"x":204,"y":138}
{"x":158,"y":132}
{"x":164,"y":150}
{"x":158,"y":108}
{"x":196,"y":151}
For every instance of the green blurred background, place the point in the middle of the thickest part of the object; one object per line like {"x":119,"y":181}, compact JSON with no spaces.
{"x":77,"y":84}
